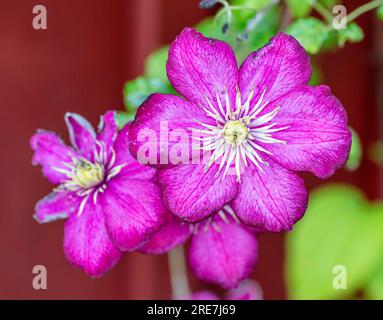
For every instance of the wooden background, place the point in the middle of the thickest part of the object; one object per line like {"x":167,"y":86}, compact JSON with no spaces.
{"x":80,"y":64}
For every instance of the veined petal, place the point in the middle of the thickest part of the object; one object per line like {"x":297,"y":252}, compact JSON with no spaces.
{"x":192,"y":194}
{"x":81,"y":133}
{"x":160,"y":134}
{"x":133,"y":211}
{"x":272,"y":200}
{"x":279,"y":67}
{"x":107,"y":129}
{"x":198,"y":67}
{"x":52,"y":154}
{"x":55,"y":206}
{"x":224,"y":254}
{"x":87,"y":244}
{"x":317,"y":136}
{"x":130,"y":166}
{"x":172,"y":234}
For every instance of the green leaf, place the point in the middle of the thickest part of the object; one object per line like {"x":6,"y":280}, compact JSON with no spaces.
{"x":310,"y":32}
{"x":379,"y":13}
{"x":155,"y":65}
{"x":339,"y":228}
{"x":299,"y":8}
{"x":352,"y":33}
{"x":253,"y":4}
{"x":316,"y":74}
{"x":355,"y":157}
{"x":136,"y":91}
{"x":123,"y":118}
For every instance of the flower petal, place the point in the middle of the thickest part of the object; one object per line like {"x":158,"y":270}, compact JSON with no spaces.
{"x":87,"y":244}
{"x":108,"y":129}
{"x":279,"y":67}
{"x":272,"y":200}
{"x":57,"y":205}
{"x":161,"y":132}
{"x":172,"y":234}
{"x":317,"y":138}
{"x":133,"y":211}
{"x":52,"y":154}
{"x":224,"y":254}
{"x":131,"y":167}
{"x":198,"y":67}
{"x":81,"y":133}
{"x":192,"y":194}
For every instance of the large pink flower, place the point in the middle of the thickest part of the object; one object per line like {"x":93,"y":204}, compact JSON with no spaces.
{"x":222,"y":250}
{"x":111,"y":201}
{"x":256,"y":127}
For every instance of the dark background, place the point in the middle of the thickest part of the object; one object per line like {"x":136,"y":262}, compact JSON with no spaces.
{"x":80,"y":64}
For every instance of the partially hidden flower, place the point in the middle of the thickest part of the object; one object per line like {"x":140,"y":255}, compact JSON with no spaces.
{"x":222,"y":250}
{"x":111,"y":202}
{"x":257,"y":126}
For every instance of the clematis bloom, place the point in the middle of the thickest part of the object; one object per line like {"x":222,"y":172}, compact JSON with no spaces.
{"x":259,"y":125}
{"x":111,"y":201}
{"x":222,"y":250}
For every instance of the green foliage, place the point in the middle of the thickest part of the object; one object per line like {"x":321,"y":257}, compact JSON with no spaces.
{"x":340,"y":228}
{"x":374,"y":288}
{"x":155,"y":65}
{"x":355,"y":157}
{"x":310,"y":32}
{"x":299,"y":8}
{"x":352,"y":33}
{"x":379,"y":13}
{"x":123,"y":118}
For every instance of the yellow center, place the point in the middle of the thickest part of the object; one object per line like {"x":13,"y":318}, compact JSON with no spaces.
{"x":235,"y":132}
{"x":87,"y":174}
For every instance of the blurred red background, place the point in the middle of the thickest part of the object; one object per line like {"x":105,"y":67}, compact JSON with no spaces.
{"x":80,"y":64}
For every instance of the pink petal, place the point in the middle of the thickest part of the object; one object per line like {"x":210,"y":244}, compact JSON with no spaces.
{"x":81,"y":133}
{"x":52,"y":154}
{"x":318,"y":139}
{"x":223,"y":255}
{"x":87,"y":244}
{"x":198,"y":67}
{"x":172,"y":234}
{"x":57,"y":205}
{"x":191,"y":194}
{"x":279,"y":67}
{"x":272,"y":200}
{"x":108,"y":129}
{"x":161,"y":132}
{"x":133,"y":211}
{"x":131,"y":167}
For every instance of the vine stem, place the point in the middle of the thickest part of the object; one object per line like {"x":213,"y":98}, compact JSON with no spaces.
{"x":363,"y":9}
{"x":178,"y":275}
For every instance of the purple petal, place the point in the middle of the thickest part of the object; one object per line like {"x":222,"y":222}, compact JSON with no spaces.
{"x":247,"y":290}
{"x":160,"y":133}
{"x":81,"y":133}
{"x":52,"y":154}
{"x":172,"y":234}
{"x":108,"y":129}
{"x":272,"y":200}
{"x":317,"y":138}
{"x":87,"y":244}
{"x":224,"y":253}
{"x":131,"y":167}
{"x":279,"y":67}
{"x":198,"y":67}
{"x":192,"y":194}
{"x":133,"y":211}
{"x":57,"y":205}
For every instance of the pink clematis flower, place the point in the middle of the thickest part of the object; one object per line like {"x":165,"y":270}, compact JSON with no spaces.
{"x":111,"y":201}
{"x":258,"y":124}
{"x":222,"y":250}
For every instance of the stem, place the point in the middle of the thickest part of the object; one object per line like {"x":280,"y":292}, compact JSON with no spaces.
{"x":363,"y":9}
{"x":178,"y":276}
{"x":322,"y":10}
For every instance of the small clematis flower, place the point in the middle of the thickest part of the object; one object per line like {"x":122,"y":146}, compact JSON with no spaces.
{"x":259,"y":125}
{"x":111,"y":201}
{"x":222,"y":250}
